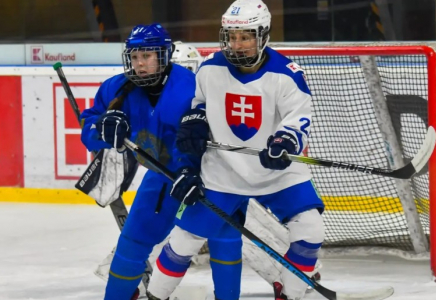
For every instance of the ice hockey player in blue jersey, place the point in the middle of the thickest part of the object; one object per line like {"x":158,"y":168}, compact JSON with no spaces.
{"x":250,"y":95}
{"x":144,"y":104}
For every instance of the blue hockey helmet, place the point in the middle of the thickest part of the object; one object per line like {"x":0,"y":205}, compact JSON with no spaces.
{"x":147,"y":53}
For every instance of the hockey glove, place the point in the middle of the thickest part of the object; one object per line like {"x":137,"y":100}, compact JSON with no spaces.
{"x":114,"y":127}
{"x":279,"y":144}
{"x":188,"y":186}
{"x":193,"y":132}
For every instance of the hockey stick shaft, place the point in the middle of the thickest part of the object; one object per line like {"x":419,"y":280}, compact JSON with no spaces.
{"x":329,"y":294}
{"x":118,"y":207}
{"x":405,"y":172}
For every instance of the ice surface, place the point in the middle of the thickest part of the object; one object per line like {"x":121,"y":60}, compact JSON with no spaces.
{"x":50,"y":252}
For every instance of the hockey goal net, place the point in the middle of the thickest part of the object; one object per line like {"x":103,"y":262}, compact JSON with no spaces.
{"x":371,"y":106}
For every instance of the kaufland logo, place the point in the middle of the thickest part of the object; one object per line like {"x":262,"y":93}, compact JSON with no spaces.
{"x":59,"y":57}
{"x":234,"y":22}
{"x":39,"y":57}
{"x":37,"y":53}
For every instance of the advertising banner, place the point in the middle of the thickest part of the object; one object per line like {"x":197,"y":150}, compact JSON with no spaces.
{"x":54,"y":156}
{"x":11,"y":132}
{"x":77,"y":54}
{"x":12,"y":54}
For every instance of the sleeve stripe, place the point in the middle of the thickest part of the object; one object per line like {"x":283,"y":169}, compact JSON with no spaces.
{"x":298,"y":135}
{"x":201,"y":106}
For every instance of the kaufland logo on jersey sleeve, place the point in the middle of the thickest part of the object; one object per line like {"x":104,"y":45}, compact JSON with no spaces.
{"x":244,"y":114}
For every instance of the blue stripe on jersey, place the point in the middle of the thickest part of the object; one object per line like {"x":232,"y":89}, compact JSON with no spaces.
{"x":201,"y":106}
{"x":303,"y":253}
{"x":276,"y":63}
{"x":172,"y":261}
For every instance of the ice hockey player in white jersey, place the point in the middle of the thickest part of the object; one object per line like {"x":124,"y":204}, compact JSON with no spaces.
{"x":249,"y":95}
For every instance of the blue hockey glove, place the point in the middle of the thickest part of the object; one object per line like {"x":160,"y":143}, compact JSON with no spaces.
{"x":193,"y":132}
{"x":187,"y":186}
{"x":113,"y":127}
{"x":279,"y":144}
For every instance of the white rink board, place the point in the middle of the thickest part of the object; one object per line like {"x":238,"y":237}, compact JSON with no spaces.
{"x":40,"y":149}
{"x":44,"y":130}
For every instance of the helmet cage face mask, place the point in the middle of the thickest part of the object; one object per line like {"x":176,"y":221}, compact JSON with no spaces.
{"x":144,"y":43}
{"x":241,"y":57}
{"x":152,"y":72}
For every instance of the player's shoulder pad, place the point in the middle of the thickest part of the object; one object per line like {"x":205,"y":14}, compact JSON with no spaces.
{"x":179,"y":91}
{"x":181,"y":76}
{"x":279,"y":63}
{"x":118,"y":79}
{"x":211,"y":55}
{"x":215,"y":59}
{"x":112,"y":86}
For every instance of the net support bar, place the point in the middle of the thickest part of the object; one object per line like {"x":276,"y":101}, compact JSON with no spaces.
{"x":393,"y":152}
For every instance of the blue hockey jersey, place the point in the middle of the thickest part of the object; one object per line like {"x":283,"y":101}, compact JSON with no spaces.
{"x":153,"y":128}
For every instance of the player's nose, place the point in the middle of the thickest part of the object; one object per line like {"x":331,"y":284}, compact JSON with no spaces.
{"x":141,"y":62}
{"x":237,"y":45}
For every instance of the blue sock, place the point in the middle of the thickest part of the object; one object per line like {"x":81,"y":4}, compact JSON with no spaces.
{"x":226,"y":264}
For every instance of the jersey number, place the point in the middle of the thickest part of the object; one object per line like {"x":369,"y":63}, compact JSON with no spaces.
{"x":306,"y":123}
{"x":235,"y":10}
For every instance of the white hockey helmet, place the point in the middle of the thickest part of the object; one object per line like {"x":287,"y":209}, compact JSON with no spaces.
{"x":187,"y":56}
{"x":247,"y":15}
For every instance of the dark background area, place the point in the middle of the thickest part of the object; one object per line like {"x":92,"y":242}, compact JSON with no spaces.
{"x":199,"y":21}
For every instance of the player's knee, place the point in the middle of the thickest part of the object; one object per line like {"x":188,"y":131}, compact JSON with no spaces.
{"x":307,"y":226}
{"x":132,"y":249}
{"x":137,"y":226}
{"x":227,"y":251}
{"x":184,"y":243}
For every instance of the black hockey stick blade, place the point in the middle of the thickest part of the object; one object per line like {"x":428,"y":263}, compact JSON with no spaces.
{"x":379,"y":294}
{"x":406,"y":172}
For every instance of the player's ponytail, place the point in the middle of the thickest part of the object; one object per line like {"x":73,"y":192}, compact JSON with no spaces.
{"x":117,"y":102}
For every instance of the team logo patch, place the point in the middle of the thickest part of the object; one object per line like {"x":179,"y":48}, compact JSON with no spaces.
{"x":244,"y":114}
{"x":294,"y":67}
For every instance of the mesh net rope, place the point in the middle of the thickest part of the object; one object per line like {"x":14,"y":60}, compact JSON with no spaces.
{"x":365,"y":210}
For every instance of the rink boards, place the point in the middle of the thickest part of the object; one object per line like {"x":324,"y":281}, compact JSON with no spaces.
{"x":53,"y":156}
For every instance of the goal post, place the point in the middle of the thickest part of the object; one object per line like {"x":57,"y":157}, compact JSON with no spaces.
{"x":372,"y":105}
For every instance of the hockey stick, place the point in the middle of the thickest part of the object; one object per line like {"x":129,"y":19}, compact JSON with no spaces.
{"x":379,"y":294}
{"x":118,"y":207}
{"x":406,"y":172}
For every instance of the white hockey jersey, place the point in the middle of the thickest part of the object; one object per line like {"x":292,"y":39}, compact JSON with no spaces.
{"x":245,"y":109}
